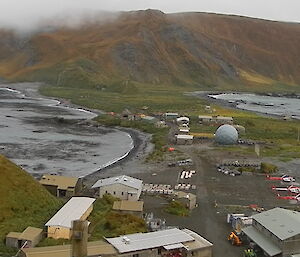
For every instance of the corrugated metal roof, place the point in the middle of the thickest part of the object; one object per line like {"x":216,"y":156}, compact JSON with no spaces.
{"x":72,"y":210}
{"x":183,"y":119}
{"x":128,"y":205}
{"x":281,"y":222}
{"x":198,"y":243}
{"x":174,"y":246}
{"x":185,"y":137}
{"x":205,"y":117}
{"x":61,"y":182}
{"x":124,"y":180}
{"x":224,"y":118}
{"x":262,"y":241}
{"x":142,"y":241}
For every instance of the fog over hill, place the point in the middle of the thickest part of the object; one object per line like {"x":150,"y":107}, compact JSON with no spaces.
{"x":153,"y":47}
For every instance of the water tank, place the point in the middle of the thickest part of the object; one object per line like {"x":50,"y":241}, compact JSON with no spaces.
{"x":226,"y":135}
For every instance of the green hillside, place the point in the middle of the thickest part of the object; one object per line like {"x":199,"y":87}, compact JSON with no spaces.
{"x":23,"y":202}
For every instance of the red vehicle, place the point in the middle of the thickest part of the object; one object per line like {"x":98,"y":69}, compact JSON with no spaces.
{"x":284,"y":178}
{"x":289,"y":197}
{"x":290,"y":189}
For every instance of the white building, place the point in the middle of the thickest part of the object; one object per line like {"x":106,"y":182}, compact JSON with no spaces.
{"x":184,"y":139}
{"x":77,"y":208}
{"x":123,"y":187}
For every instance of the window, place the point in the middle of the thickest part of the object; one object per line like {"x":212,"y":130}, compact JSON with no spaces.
{"x":135,"y":255}
{"x":122,"y":193}
{"x":106,"y":192}
{"x":114,"y":192}
{"x":159,"y":251}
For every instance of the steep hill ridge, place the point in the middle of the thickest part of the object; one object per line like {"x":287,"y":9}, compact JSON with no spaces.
{"x":23,"y":201}
{"x":153,"y":47}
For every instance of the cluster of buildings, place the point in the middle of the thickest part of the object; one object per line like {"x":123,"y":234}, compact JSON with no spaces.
{"x":164,"y":243}
{"x":275,"y":233}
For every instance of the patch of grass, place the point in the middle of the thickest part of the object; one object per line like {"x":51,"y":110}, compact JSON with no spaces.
{"x":268,"y":168}
{"x":23,"y":202}
{"x":177,"y":208}
{"x":107,"y":223}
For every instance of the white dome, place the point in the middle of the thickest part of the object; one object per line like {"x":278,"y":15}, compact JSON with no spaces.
{"x":226,"y":135}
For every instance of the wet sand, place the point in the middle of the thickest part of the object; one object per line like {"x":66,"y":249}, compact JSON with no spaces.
{"x":80,"y":156}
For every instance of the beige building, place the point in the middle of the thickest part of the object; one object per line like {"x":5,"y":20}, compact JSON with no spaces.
{"x":30,"y":237}
{"x":61,"y":186}
{"x":163,"y":243}
{"x":188,"y":199}
{"x":77,"y":208}
{"x":131,"y":207}
{"x":215,"y":120}
{"x":122,"y":187}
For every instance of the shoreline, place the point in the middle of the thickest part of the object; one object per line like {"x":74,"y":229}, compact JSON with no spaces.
{"x":141,"y":141}
{"x":205,"y":96}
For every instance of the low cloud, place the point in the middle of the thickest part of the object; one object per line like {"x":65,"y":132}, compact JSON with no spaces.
{"x":26,"y":15}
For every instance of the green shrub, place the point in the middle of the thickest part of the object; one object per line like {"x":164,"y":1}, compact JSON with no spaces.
{"x":177,"y":208}
{"x":268,"y":168}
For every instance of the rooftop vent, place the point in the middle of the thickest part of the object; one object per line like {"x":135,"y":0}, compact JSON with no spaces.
{"x":125,"y":239}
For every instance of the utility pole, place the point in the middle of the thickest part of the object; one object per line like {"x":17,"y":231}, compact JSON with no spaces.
{"x":79,"y":238}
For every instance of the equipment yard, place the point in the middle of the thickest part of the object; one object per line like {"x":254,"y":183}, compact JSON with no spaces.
{"x":217,"y":195}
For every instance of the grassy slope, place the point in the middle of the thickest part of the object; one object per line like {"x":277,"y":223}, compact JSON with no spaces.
{"x":23,"y":202}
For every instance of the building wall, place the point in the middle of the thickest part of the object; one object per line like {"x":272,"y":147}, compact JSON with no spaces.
{"x":51,"y":189}
{"x":57,"y":232}
{"x":87,"y":213}
{"x":203,"y":252}
{"x":180,"y":141}
{"x":11,"y":242}
{"x":62,"y":232}
{"x":291,"y":246}
{"x":120,"y":191}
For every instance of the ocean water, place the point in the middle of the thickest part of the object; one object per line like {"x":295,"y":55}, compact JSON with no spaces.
{"x":281,"y":106}
{"x":42,"y":136}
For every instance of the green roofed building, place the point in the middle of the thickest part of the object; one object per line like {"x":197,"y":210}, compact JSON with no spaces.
{"x":276,"y":232}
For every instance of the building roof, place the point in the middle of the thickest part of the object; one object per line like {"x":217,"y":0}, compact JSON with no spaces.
{"x":29,"y":234}
{"x":171,"y":114}
{"x":198,"y":243}
{"x":124,"y":180}
{"x":224,"y":118}
{"x":183,"y":119}
{"x":181,"y":194}
{"x":184,"y":137}
{"x":204,"y":117}
{"x":72,"y":210}
{"x":262,"y":241}
{"x":142,"y":241}
{"x":14,"y":234}
{"x":128,"y":205}
{"x":95,"y":248}
{"x":60,"y":181}
{"x":281,"y":222}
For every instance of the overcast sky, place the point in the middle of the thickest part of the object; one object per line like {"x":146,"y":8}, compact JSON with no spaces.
{"x":25,"y":13}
